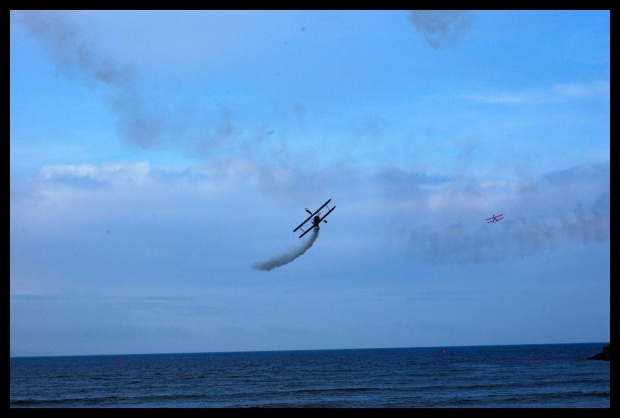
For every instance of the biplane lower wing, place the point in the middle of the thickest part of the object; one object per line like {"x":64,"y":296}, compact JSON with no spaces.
{"x":311,"y":215}
{"x":306,"y":231}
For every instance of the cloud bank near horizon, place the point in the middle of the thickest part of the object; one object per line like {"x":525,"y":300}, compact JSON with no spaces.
{"x":444,"y":223}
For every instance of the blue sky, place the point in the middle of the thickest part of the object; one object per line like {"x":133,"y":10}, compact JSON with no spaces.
{"x":156,"y":156}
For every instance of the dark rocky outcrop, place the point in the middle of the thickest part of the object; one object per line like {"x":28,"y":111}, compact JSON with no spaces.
{"x":604,"y":355}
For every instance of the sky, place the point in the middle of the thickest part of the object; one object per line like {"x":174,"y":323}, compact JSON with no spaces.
{"x":158,"y":158}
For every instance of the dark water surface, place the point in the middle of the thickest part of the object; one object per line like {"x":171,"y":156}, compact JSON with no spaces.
{"x":519,"y":376}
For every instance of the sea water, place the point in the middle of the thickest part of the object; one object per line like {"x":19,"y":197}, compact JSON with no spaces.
{"x":519,"y":376}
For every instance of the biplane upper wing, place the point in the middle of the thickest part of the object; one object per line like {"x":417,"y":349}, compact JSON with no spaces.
{"x":310,"y":217}
{"x":303,"y":223}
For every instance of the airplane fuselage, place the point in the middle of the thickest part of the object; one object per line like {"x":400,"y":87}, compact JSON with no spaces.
{"x":316,"y":221}
{"x":495,"y":218}
{"x":315,"y":218}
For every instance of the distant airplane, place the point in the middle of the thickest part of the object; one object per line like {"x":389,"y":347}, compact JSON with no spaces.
{"x":316,"y":218}
{"x":495,"y":218}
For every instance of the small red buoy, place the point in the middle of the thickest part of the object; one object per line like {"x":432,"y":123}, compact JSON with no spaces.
{"x":118,"y":360}
{"x":443,"y":352}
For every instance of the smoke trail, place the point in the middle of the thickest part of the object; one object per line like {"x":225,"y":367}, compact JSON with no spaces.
{"x":74,"y":55}
{"x":143,"y":121}
{"x":288,"y":256}
{"x":440,"y":27}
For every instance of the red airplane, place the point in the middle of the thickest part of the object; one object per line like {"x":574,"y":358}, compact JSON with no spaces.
{"x":495,"y":218}
{"x":316,"y":218}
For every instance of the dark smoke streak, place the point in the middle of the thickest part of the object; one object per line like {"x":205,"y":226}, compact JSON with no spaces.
{"x":75,"y":56}
{"x":141,"y":119}
{"x":440,"y":28}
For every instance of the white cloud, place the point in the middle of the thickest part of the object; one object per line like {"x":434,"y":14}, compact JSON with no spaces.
{"x":558,"y":93}
{"x":594,"y":90}
{"x":220,"y":209}
{"x":117,"y":172}
{"x":500,"y":97}
{"x":234,"y":167}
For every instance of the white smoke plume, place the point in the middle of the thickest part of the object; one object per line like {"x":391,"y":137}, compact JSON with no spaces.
{"x":288,"y":256}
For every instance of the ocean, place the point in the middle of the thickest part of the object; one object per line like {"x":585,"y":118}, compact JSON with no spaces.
{"x":515,"y":376}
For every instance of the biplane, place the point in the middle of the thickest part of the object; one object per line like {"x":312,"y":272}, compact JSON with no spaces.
{"x":316,"y":218}
{"x":495,"y":218}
